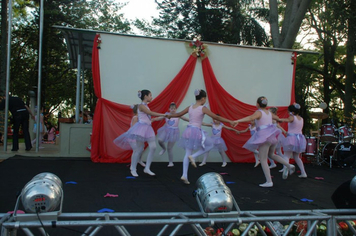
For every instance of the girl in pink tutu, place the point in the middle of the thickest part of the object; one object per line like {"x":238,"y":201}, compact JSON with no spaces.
{"x":169,"y":133}
{"x":219,"y":143}
{"x":140,"y":133}
{"x":252,"y":128}
{"x":134,"y":120}
{"x":294,"y":144}
{"x":280,"y":139}
{"x":265,"y":140}
{"x":193,"y":137}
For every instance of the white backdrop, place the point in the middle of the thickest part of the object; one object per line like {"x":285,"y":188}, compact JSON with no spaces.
{"x":131,"y":63}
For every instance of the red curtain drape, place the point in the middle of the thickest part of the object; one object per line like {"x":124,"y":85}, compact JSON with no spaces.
{"x":112,"y":119}
{"x":223,"y":103}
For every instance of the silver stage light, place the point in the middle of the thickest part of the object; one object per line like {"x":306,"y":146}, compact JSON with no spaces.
{"x":213,"y":196}
{"x":353,"y":185}
{"x":42,"y":194}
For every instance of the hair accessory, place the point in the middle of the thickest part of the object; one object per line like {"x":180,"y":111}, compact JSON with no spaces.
{"x":196,"y":92}
{"x":132,"y":106}
{"x":296,"y":105}
{"x":264,"y":101}
{"x":139,"y":94}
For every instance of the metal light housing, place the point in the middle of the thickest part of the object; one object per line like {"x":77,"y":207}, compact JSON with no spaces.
{"x":42,"y":194}
{"x":213,"y":195}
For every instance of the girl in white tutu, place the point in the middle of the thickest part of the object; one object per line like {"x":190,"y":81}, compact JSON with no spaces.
{"x":218,"y":141}
{"x":265,"y":140}
{"x":169,"y":133}
{"x":193,"y":137}
{"x":294,"y":144}
{"x":140,"y":133}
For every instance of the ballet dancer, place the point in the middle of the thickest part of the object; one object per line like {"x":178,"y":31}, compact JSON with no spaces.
{"x":169,"y":133}
{"x":265,"y":140}
{"x":295,"y":143}
{"x":218,"y":141}
{"x":43,"y":129}
{"x":252,"y":128}
{"x":280,"y":138}
{"x":193,"y":137}
{"x":140,"y":133}
{"x":134,"y":120}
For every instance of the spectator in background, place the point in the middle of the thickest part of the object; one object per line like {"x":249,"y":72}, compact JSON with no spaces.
{"x":20,"y":114}
{"x":51,"y":133}
{"x":43,"y":129}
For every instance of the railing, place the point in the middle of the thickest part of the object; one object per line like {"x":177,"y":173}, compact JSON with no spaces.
{"x":317,"y":222}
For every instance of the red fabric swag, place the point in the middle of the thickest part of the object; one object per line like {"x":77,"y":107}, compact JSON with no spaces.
{"x":112,"y":119}
{"x":221,"y":102}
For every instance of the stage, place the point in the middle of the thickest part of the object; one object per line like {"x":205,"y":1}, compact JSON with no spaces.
{"x":86,"y":183}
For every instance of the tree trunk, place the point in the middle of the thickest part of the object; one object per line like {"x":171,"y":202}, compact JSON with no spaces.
{"x":293,"y":17}
{"x":326,"y":78}
{"x":350,"y":55}
{"x":3,"y":60}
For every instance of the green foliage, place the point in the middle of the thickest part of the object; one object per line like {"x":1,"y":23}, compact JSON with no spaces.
{"x":58,"y":80}
{"x":227,"y":21}
{"x":329,"y":20}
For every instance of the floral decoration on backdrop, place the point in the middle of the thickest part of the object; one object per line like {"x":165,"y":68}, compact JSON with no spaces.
{"x":197,"y":49}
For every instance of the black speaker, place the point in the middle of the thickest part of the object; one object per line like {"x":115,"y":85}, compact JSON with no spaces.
{"x":343,"y":197}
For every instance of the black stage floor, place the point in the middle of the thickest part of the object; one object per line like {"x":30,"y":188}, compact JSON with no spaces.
{"x":86,"y":183}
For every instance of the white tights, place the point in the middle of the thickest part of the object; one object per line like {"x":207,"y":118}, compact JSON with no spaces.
{"x":297,"y":159}
{"x":267,"y":150}
{"x":169,"y":149}
{"x":222,"y":154}
{"x":137,"y":153}
{"x":188,"y":152}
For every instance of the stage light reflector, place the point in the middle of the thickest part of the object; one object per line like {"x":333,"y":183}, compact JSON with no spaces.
{"x":353,"y":185}
{"x":42,"y":193}
{"x":214,"y":196}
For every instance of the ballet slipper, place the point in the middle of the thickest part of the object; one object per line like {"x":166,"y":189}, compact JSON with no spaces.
{"x":224,"y":164}
{"x":162,"y":152}
{"x":202,"y":164}
{"x":266,"y":185}
{"x":303,"y":176}
{"x":170,"y":165}
{"x":149,"y":172}
{"x":285,"y":173}
{"x":272,"y":166}
{"x":257,"y":163}
{"x":192,"y":161}
{"x":134,"y":173}
{"x":184,"y":180}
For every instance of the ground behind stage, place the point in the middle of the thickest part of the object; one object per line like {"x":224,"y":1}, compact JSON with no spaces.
{"x":85,"y":183}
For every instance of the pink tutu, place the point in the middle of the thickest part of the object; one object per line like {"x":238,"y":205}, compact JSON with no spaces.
{"x":168,"y":134}
{"x":219,"y":144}
{"x":280,"y":139}
{"x":192,"y":139}
{"x":140,"y":132}
{"x":294,"y":143}
{"x":266,"y":134}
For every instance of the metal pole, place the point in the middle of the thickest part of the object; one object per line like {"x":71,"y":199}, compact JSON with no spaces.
{"x":39,"y":77}
{"x":82,"y":95}
{"x":8,"y":74}
{"x":77,"y":106}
